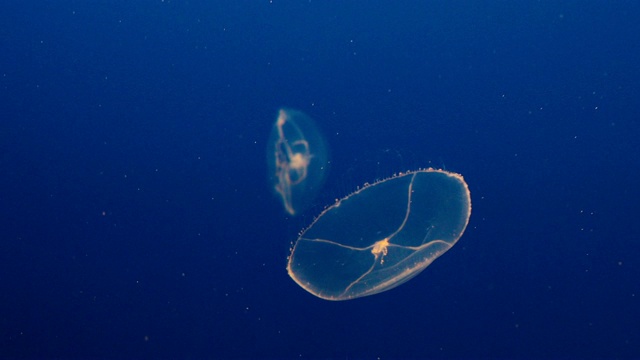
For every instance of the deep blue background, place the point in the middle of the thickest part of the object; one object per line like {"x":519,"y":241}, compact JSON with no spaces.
{"x":136,"y":219}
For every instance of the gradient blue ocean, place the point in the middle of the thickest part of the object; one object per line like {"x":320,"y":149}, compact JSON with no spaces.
{"x":138,"y":219}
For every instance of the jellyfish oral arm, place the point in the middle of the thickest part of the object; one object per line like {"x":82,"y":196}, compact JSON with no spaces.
{"x":380,"y":247}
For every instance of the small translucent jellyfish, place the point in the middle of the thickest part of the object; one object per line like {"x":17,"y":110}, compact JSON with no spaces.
{"x":297,"y":160}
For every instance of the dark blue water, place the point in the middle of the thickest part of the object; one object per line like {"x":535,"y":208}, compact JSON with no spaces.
{"x":136,"y":220}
